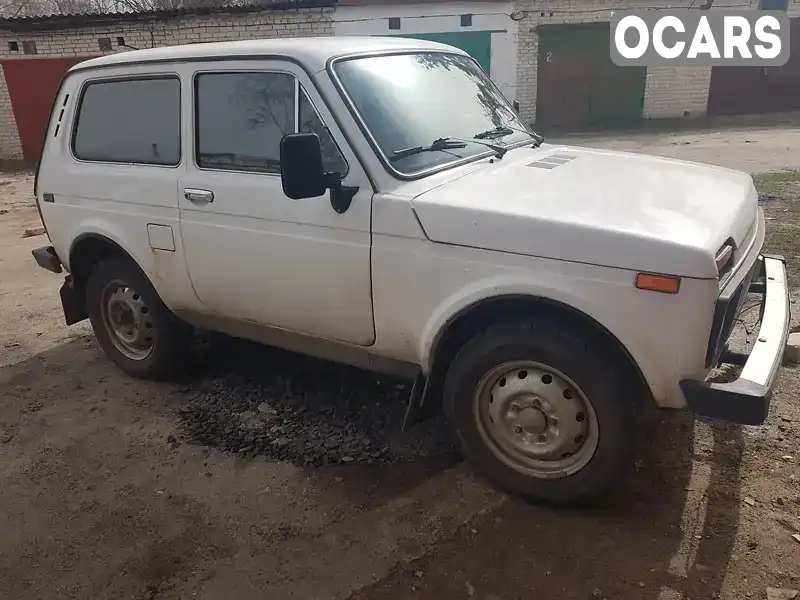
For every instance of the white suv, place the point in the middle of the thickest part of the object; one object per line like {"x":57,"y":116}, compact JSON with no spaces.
{"x":378,"y":202}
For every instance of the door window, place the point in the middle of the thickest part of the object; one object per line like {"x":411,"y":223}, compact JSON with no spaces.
{"x":242,"y":117}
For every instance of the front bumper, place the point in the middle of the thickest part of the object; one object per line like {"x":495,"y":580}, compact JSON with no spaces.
{"x":746,"y":400}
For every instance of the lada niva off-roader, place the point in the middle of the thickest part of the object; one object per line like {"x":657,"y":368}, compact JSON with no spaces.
{"x":378,"y":202}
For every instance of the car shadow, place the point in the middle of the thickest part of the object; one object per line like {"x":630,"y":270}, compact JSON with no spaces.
{"x":666,"y":534}
{"x":341,"y":425}
{"x":104,"y":488}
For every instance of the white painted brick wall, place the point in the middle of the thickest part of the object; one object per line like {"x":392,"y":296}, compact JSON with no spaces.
{"x":10,"y":147}
{"x":669,"y":91}
{"x":183,"y":30}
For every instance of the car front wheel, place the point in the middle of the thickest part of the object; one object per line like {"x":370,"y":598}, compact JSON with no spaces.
{"x":541,"y":410}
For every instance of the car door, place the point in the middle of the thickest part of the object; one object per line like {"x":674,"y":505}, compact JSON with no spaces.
{"x":252,"y":253}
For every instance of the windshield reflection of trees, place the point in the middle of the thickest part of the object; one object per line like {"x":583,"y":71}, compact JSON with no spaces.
{"x":427,"y":105}
{"x":492,"y":103}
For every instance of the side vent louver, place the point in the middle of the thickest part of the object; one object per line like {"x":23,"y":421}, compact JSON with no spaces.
{"x":61,"y":116}
{"x":552,"y":161}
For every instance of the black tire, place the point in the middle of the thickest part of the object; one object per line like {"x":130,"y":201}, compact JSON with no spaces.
{"x":172,"y":337}
{"x":584,"y":358}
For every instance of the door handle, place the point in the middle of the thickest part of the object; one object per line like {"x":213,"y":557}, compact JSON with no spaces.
{"x":198,"y":196}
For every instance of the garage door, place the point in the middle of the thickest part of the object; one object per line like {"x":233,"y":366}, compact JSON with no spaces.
{"x":577,"y":83}
{"x":478,"y":44}
{"x":32,"y":85}
{"x":754,"y":90}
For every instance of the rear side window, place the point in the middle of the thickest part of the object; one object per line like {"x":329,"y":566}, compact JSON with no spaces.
{"x":130,"y":121}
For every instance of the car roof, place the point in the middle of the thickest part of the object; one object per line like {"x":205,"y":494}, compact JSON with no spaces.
{"x":312,"y":52}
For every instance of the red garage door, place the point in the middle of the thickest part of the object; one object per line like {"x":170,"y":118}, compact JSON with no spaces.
{"x":32,"y":85}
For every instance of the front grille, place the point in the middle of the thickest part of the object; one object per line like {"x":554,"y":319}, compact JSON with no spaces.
{"x":727,"y":309}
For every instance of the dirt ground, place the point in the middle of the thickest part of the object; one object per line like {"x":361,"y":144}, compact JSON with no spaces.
{"x":104,"y":493}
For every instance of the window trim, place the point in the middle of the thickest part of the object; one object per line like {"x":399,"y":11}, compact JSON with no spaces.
{"x":301,"y":90}
{"x":298,"y":89}
{"x":358,"y":153}
{"x":365,"y":131}
{"x":119,"y":79}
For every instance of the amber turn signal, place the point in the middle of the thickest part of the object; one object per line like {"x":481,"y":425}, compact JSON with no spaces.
{"x":665,"y":284}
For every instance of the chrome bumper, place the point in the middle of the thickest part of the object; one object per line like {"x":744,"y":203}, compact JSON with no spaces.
{"x":746,"y":400}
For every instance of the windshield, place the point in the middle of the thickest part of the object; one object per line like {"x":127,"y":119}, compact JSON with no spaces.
{"x":411,"y":100}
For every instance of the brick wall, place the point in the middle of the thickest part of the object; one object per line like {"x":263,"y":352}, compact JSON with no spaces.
{"x":669,"y":91}
{"x":676,"y":92}
{"x":10,"y":147}
{"x":180,"y":30}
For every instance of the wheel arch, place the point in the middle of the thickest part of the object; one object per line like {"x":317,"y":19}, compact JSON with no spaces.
{"x":88,"y":249}
{"x":85,"y":251}
{"x":474,"y":316}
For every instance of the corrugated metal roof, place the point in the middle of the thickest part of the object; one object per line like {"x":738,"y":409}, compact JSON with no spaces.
{"x":67,"y":21}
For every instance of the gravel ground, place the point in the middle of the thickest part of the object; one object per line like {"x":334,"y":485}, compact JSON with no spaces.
{"x":268,"y":475}
{"x":256,"y":401}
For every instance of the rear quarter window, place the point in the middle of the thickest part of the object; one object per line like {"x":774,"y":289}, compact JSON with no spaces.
{"x":133,"y":121}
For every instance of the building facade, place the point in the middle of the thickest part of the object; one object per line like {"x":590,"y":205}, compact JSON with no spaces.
{"x":36,"y":52}
{"x":565,"y":77}
{"x":483,"y":29}
{"x":552,"y":56}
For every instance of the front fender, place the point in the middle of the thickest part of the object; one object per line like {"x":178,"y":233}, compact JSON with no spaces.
{"x":576,"y":294}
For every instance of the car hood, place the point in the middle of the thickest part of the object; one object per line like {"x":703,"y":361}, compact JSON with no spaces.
{"x":608,"y":208}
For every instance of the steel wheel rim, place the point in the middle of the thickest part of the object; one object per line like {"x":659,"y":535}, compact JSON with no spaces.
{"x":128,"y":320}
{"x":535,"y":419}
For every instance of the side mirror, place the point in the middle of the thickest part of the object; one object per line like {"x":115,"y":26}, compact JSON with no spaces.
{"x":302,"y":171}
{"x":515,"y":104}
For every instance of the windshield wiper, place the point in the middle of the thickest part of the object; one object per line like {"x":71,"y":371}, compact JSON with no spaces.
{"x":493,"y":133}
{"x":506,"y":130}
{"x":446,"y":143}
{"x":439,"y":144}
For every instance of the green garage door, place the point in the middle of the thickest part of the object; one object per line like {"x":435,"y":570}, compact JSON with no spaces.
{"x":477,"y":44}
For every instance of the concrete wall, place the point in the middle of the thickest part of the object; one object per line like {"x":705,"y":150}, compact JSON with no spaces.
{"x":669,"y":91}
{"x":441,"y":18}
{"x":182,"y":30}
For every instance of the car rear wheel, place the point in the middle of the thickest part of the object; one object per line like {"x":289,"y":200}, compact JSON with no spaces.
{"x":541,"y":411}
{"x":134,"y":327}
